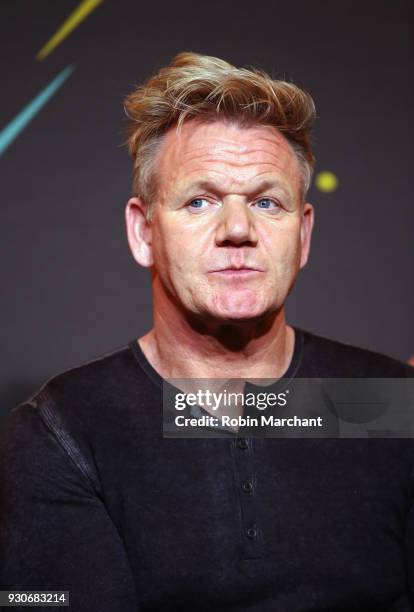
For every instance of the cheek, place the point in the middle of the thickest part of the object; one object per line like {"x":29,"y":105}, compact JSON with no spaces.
{"x":283,"y":248}
{"x":173,"y":251}
{"x":162,"y":248}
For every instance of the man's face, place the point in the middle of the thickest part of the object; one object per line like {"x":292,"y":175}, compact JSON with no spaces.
{"x":229,"y":233}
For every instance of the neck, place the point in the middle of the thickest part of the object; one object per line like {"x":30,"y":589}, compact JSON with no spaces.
{"x":181,"y":346}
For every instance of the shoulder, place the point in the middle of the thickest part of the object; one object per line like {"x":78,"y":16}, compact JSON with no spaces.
{"x":326,"y":357}
{"x":107,"y":379}
{"x":72,"y":409}
{"x":82,"y":395}
{"x":99,"y":374}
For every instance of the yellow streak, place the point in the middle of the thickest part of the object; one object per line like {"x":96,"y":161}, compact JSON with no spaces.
{"x":78,"y":15}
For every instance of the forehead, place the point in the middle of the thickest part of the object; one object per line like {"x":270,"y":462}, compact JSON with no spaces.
{"x":227,"y":152}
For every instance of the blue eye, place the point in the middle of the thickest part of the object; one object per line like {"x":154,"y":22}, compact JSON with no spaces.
{"x":267,"y":204}
{"x":197,"y":204}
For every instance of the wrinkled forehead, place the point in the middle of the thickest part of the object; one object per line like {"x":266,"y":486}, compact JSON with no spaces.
{"x":233,"y":153}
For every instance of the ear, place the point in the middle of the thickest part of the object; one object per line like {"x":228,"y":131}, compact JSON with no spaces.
{"x":308,"y":217}
{"x":139,"y":232}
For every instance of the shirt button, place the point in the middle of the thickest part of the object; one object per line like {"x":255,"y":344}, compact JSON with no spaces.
{"x":242,"y":443}
{"x":247,"y":486}
{"x":251,"y":533}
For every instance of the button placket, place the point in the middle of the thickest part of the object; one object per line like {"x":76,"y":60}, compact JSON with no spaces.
{"x":251,"y":540}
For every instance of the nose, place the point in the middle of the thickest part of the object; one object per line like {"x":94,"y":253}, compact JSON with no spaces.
{"x":236,"y":225}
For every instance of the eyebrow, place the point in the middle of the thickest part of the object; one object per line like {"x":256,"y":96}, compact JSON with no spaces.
{"x":209,"y":185}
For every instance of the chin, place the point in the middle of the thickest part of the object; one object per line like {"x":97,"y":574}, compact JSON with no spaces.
{"x":241,"y":314}
{"x":233,"y":310}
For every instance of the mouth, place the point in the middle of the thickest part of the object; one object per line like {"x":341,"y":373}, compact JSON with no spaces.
{"x":237,"y":272}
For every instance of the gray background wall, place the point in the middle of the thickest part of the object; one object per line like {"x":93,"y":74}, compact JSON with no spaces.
{"x":71,"y":290}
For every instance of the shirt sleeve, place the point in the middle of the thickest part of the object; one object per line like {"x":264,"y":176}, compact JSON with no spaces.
{"x":55,"y":531}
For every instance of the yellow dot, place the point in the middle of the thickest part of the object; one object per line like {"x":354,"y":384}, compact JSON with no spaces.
{"x":326,"y":181}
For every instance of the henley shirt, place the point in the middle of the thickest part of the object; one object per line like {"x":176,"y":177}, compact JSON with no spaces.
{"x":94,"y":500}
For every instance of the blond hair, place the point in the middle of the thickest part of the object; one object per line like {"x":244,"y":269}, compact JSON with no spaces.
{"x":208,"y":88}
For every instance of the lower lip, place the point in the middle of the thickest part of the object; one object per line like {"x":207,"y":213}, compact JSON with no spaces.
{"x":244,"y":272}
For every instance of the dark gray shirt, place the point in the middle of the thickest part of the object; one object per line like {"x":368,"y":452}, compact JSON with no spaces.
{"x":95,"y":501}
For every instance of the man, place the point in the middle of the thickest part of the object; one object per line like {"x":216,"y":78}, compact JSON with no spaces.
{"x":97,"y":502}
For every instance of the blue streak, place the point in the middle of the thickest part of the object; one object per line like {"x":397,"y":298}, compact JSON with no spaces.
{"x":17,"y":125}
